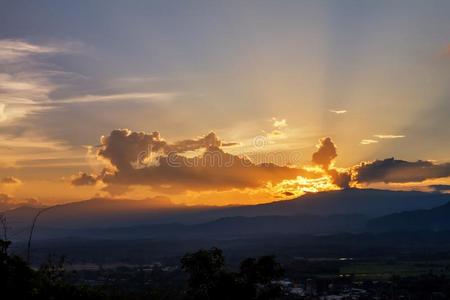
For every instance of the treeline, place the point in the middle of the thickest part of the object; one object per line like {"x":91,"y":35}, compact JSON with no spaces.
{"x":205,"y":276}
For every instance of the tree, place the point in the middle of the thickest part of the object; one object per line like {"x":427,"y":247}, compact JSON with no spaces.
{"x":15,"y":275}
{"x":209,"y":279}
{"x":206,"y":273}
{"x":258,"y":275}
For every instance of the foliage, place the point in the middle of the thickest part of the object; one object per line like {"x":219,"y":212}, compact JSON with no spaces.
{"x":209,"y":279}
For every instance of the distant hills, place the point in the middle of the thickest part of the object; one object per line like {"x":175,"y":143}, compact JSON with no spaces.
{"x":368,"y":202}
{"x":235,"y":227}
{"x":434,"y":219}
{"x":325,"y":212}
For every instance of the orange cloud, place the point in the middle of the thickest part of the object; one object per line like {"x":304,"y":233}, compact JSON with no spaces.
{"x":325,"y":154}
{"x":84,"y":179}
{"x":10,"y":180}
{"x":139,"y":158}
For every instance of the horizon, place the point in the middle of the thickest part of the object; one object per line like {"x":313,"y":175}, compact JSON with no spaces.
{"x":169,"y":204}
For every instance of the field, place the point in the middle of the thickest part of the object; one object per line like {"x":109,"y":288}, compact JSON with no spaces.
{"x":384,"y":270}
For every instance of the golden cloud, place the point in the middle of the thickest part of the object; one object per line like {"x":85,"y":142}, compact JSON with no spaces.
{"x":139,"y":158}
{"x":148,"y":160}
{"x":10,"y":180}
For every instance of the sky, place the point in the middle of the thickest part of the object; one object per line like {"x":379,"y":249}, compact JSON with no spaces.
{"x":101,"y":98}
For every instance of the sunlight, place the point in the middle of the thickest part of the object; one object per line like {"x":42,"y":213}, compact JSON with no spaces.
{"x":302,"y":185}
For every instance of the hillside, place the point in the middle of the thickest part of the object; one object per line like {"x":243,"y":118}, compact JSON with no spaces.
{"x":120,"y":213}
{"x":435,"y":219}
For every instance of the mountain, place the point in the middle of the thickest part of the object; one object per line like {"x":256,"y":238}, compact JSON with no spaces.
{"x":368,"y":202}
{"x":94,"y":212}
{"x":233,"y":227}
{"x":435,"y":219}
{"x":119,"y":213}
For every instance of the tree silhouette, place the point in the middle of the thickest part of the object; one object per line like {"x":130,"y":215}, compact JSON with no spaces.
{"x":15,"y":275}
{"x":206,"y":273}
{"x":209,"y":279}
{"x":257,"y":277}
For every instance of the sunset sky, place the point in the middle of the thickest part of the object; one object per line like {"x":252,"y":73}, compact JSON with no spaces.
{"x":136,"y":99}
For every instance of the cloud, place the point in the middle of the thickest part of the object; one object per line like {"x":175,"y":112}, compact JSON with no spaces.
{"x":2,"y":112}
{"x":325,"y":154}
{"x":338,"y":112}
{"x":15,"y":50}
{"x":10,"y":181}
{"x":115,"y":97}
{"x":124,"y":148}
{"x":440,"y":188}
{"x":26,"y":81}
{"x":5,"y":198}
{"x":208,"y":140}
{"x":391,"y":170}
{"x":201,"y":164}
{"x":380,"y":136}
{"x":288,"y":194}
{"x":83,"y":179}
{"x":34,"y":86}
{"x":34,"y":202}
{"x":9,"y":202}
{"x":139,"y":158}
{"x":213,"y":170}
{"x":279,"y":124}
{"x":388,"y":136}
{"x":368,"y":142}
{"x":324,"y":157}
{"x":340,"y":178}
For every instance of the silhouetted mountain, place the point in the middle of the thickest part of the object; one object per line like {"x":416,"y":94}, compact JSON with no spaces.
{"x":436,"y":219}
{"x":97,"y":211}
{"x":369,"y":202}
{"x":120,"y":213}
{"x":236,"y":227}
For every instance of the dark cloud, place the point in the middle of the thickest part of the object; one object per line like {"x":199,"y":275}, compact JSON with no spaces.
{"x":325,"y":153}
{"x":84,"y":179}
{"x":10,"y":180}
{"x":440,"y":188}
{"x":146,"y":159}
{"x":214,"y":169}
{"x":139,"y":158}
{"x":208,"y":140}
{"x":124,"y":147}
{"x":392,"y":170}
{"x":341,"y":179}
{"x":288,"y":194}
{"x":324,"y":156}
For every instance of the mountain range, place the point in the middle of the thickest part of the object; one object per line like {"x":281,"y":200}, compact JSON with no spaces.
{"x":434,"y":219}
{"x":350,"y":210}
